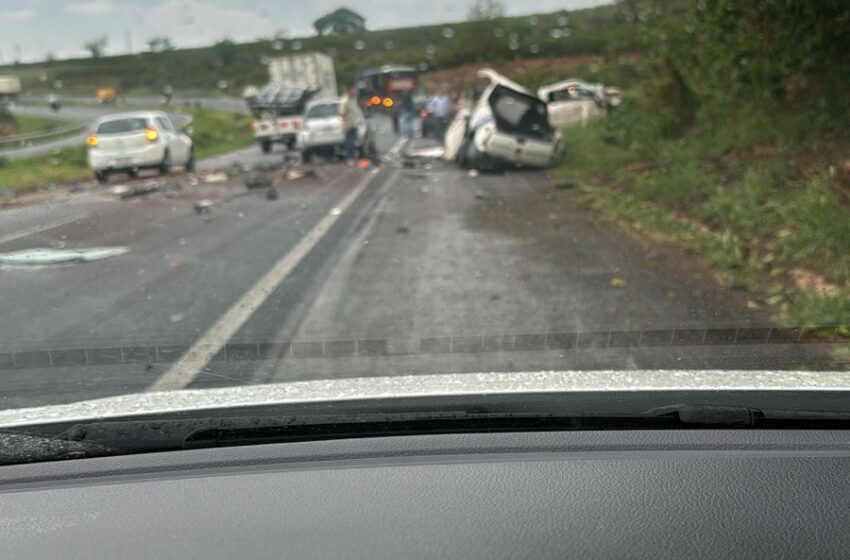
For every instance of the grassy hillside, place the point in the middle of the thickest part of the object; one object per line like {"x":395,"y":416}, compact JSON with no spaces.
{"x":593,"y":31}
{"x":736,"y":144}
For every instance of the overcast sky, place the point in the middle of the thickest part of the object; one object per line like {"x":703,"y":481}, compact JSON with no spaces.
{"x":30,"y":29}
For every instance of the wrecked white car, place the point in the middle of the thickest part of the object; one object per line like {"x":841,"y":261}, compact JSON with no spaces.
{"x":573,"y":102}
{"x":507,"y":124}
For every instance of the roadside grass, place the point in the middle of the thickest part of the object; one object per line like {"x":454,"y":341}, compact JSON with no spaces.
{"x":213,"y":132}
{"x":750,"y":194}
{"x":27,"y":124}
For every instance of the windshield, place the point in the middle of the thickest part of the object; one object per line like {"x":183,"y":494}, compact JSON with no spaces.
{"x":122,"y":125}
{"x":323,"y":111}
{"x":637,"y":190}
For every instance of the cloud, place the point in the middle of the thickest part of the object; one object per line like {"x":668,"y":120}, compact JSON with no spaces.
{"x":16,"y":15}
{"x":97,"y":8}
{"x":194,"y":23}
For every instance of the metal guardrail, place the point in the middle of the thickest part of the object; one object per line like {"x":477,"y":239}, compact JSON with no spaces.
{"x":19,"y":138}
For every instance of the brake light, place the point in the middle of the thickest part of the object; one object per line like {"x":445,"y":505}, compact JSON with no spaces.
{"x":92,"y":141}
{"x":151,"y":135}
{"x":388,"y":102}
{"x":375,"y":100}
{"x":296,"y":123}
{"x":283,"y":124}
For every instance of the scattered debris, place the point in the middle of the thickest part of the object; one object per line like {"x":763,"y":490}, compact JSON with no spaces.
{"x":618,"y":282}
{"x":752,"y":305}
{"x":177,"y":317}
{"x":472,"y":173}
{"x":402,"y":229}
{"x":415,"y":176}
{"x":408,"y":164}
{"x":59,"y":256}
{"x":549,"y":197}
{"x":125,"y":191}
{"x":272,"y":194}
{"x":430,"y":152}
{"x":294,"y":174}
{"x":219,"y":177}
{"x":119,"y":190}
{"x":564,"y":185}
{"x":268,"y":166}
{"x":424,"y":190}
{"x":480,"y":195}
{"x":258,"y":181}
{"x":203,"y":206}
{"x":814,"y":283}
{"x":335,"y":211}
{"x":193,"y":181}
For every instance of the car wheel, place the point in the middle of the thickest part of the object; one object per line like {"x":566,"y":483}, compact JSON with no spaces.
{"x":133,"y":173}
{"x":266,"y":146}
{"x":101,"y":176}
{"x":190,"y":164}
{"x":307,"y":156}
{"x":290,"y":144}
{"x":165,"y":166}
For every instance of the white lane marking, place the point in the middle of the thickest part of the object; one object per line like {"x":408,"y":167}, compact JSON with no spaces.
{"x":192,"y":363}
{"x":44,"y":227}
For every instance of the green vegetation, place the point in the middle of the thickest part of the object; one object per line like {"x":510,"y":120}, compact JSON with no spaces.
{"x":213,"y":132}
{"x":593,"y":31}
{"x":733,"y":144}
{"x":25,"y":124}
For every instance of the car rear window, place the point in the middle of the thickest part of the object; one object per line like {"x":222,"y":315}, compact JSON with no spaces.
{"x":323,"y":111}
{"x":516,"y":113}
{"x":122,"y":125}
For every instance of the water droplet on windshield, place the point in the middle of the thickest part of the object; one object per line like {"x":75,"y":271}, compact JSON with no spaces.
{"x":513,"y":45}
{"x":359,"y":45}
{"x":423,"y":66}
{"x":534,"y":20}
{"x":264,"y":60}
{"x":448,"y":32}
{"x":389,"y":45}
{"x":563,"y":20}
{"x":594,"y":68}
{"x":296,"y":46}
{"x":498,"y":32}
{"x":534,"y":49}
{"x":277,"y":45}
{"x":555,"y":33}
{"x":331,"y":52}
{"x":566,"y":32}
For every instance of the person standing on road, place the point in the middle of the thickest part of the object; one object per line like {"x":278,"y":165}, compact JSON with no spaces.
{"x":352,"y":118}
{"x":408,"y":114}
{"x":439,"y":106}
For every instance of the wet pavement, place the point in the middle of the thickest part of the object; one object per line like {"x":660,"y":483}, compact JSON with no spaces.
{"x":414,"y":266}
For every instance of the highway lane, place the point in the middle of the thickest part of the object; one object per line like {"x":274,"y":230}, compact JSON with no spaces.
{"x":85,"y":110}
{"x":428,"y":270}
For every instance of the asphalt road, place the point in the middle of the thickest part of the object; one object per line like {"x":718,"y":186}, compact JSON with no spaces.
{"x":412,"y":267}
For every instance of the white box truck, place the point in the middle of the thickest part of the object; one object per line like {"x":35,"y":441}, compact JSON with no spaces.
{"x":278,"y":108}
{"x":10,"y":88}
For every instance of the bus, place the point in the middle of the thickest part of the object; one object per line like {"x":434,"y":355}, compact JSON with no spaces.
{"x":382,"y":89}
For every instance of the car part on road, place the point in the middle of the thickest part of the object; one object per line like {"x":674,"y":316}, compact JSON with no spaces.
{"x":58,"y":256}
{"x":203,"y":206}
{"x":272,"y":194}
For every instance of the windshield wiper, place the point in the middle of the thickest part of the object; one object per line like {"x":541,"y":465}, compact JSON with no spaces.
{"x":171,"y":434}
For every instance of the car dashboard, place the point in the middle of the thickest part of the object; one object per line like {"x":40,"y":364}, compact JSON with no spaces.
{"x":569,"y":494}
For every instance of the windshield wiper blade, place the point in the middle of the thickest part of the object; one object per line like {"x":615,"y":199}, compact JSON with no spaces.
{"x":171,"y":434}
